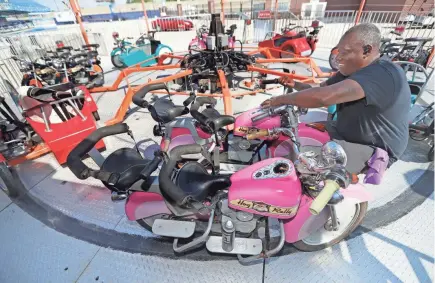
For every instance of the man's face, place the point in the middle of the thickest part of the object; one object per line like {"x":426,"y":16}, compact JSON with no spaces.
{"x":350,"y":55}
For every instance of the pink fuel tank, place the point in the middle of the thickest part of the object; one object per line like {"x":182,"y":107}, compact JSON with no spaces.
{"x":244,"y":125}
{"x":269,"y":187}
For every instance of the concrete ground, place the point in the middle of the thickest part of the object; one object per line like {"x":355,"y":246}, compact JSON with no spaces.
{"x":66,"y":230}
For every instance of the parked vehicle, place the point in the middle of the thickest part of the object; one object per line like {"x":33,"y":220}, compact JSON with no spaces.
{"x":41,"y":120}
{"x":295,"y":40}
{"x":61,"y":66}
{"x":424,"y":21}
{"x":200,"y":41}
{"x":171,"y":24}
{"x":125,"y":54}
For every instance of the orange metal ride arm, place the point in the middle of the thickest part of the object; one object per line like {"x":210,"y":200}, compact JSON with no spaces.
{"x":276,"y":73}
{"x":126,"y":72}
{"x":228,"y":104}
{"x":122,"y":110}
{"x":36,"y":152}
{"x":76,"y":10}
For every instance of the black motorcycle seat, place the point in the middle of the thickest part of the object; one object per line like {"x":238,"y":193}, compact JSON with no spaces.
{"x":64,"y":48}
{"x":391,"y":49}
{"x":222,"y":121}
{"x":92,"y":53}
{"x":211,"y":113}
{"x":418,"y":39}
{"x":212,"y":120}
{"x":91,"y":45}
{"x":195,"y":181}
{"x":128,"y":163}
{"x":395,"y":44}
{"x":165,"y":111}
{"x":383,"y":40}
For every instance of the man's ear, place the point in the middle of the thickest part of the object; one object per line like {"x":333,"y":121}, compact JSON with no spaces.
{"x":367,"y":49}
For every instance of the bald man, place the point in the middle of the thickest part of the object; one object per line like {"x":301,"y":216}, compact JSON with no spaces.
{"x":372,"y":96}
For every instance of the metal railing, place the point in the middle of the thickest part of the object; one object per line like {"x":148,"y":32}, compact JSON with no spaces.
{"x":337,"y":22}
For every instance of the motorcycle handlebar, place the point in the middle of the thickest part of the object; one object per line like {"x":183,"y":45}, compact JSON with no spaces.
{"x":323,"y":197}
{"x":138,"y":98}
{"x":269,"y":112}
{"x":271,"y":81}
{"x":189,"y":100}
{"x":260,"y":117}
{"x":146,"y":173}
{"x":165,"y":181}
{"x":74,"y":160}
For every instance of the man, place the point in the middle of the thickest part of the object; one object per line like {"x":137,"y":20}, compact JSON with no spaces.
{"x":372,"y":97}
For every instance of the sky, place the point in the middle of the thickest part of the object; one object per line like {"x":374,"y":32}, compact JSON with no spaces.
{"x":57,"y":5}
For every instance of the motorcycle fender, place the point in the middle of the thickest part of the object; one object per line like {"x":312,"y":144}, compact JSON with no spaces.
{"x":304,"y":223}
{"x":144,"y":204}
{"x":160,"y":47}
{"x":114,"y":51}
{"x":299,"y":45}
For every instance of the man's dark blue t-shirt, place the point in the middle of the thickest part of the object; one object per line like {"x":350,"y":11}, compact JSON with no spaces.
{"x":381,"y":118}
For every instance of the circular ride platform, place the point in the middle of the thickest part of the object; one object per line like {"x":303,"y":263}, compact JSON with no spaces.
{"x":398,"y":222}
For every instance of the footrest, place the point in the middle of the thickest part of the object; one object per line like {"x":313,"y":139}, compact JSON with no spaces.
{"x":173,"y":228}
{"x":242,"y":246}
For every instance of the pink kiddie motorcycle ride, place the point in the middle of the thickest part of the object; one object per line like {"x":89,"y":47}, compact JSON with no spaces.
{"x":316,"y":202}
{"x":229,"y":150}
{"x":200,"y":41}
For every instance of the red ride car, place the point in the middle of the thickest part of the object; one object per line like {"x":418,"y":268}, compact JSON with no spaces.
{"x":168,"y":24}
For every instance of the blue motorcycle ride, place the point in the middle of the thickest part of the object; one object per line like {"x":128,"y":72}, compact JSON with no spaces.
{"x":127,"y":54}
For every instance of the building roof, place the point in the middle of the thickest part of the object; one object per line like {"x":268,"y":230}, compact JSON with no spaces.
{"x":19,"y":6}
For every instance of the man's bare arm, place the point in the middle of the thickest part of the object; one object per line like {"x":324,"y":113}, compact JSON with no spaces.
{"x":344,"y":91}
{"x":301,"y":86}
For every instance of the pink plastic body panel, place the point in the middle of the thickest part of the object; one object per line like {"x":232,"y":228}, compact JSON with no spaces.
{"x":143,"y":204}
{"x":313,"y":135}
{"x":307,"y":137}
{"x":271,"y":196}
{"x":304,"y":223}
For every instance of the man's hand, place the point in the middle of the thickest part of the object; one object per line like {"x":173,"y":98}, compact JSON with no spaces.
{"x":271,"y":102}
{"x":286,"y":81}
{"x":266,"y":103}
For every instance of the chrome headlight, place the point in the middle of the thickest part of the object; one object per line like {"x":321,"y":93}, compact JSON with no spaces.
{"x":333,"y":153}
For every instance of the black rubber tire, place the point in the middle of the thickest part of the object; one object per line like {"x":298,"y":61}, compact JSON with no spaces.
{"x":96,"y":116}
{"x":430,"y":154}
{"x":332,"y":61}
{"x":115,"y":62}
{"x":11,"y":180}
{"x":302,"y":246}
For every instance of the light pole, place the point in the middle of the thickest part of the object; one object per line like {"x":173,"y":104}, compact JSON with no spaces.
{"x":78,"y":14}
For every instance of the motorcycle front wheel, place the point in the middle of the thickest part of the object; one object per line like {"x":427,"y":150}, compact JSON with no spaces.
{"x":349,"y":216}
{"x":116,"y":61}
